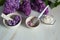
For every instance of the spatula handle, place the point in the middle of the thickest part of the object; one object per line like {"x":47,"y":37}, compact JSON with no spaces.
{"x":43,"y":11}
{"x":5,"y":17}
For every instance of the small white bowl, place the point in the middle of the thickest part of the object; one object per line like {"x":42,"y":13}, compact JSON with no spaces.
{"x":28,"y":19}
{"x":9,"y":15}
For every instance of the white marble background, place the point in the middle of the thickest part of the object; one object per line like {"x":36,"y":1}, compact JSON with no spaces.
{"x":44,"y":32}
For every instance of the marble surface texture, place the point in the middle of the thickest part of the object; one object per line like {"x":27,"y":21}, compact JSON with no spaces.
{"x":43,"y":32}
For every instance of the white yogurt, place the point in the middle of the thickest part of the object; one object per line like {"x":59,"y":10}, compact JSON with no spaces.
{"x":48,"y":19}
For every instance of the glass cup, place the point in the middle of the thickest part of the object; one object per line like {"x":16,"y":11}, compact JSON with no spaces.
{"x":48,"y":19}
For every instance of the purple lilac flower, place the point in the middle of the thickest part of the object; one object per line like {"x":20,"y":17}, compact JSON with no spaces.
{"x":25,"y":7}
{"x":15,"y":21}
{"x":38,"y":5}
{"x":11,"y":6}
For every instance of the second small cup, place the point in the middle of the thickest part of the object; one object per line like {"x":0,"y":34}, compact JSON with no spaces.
{"x":29,"y":22}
